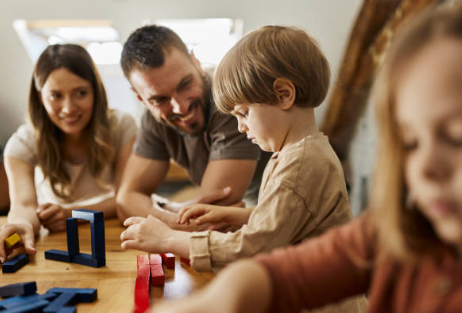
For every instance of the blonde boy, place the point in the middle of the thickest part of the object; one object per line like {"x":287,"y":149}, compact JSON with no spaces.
{"x":271,"y":81}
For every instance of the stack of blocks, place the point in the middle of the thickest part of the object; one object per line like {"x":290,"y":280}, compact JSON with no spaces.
{"x":22,"y":298}
{"x":150,"y":272}
{"x":149,"y":269}
{"x":18,"y":261}
{"x":142,"y":283}
{"x":97,"y":258}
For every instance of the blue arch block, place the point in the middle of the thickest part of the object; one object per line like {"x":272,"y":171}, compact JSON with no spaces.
{"x":97,"y":258}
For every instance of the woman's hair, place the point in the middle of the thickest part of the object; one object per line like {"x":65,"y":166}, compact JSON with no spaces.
{"x":48,"y":137}
{"x":248,"y":71}
{"x":403,"y":229}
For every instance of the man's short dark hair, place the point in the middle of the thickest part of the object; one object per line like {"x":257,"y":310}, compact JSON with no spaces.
{"x":146,"y":48}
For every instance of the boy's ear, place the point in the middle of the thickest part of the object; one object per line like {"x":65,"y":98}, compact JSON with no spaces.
{"x":137,"y":95}
{"x":285,"y":92}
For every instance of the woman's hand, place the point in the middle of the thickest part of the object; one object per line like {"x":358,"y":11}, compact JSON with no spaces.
{"x":53,"y":217}
{"x":25,"y":231}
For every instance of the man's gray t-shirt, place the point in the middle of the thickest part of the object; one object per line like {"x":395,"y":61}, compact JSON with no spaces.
{"x":219,"y":140}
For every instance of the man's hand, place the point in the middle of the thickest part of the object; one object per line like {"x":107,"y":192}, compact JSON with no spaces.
{"x":145,"y":234}
{"x":171,"y":219}
{"x":53,"y":217}
{"x":175,"y":207}
{"x":168,"y":205}
{"x":25,"y":231}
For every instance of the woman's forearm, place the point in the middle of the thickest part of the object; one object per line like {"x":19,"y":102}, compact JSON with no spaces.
{"x":24,"y":215}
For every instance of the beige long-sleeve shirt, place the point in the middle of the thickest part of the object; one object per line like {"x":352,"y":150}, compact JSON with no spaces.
{"x":302,"y":194}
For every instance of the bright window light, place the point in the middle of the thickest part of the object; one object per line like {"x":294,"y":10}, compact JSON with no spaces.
{"x":97,"y":36}
{"x":209,"y":38}
{"x":105,"y":53}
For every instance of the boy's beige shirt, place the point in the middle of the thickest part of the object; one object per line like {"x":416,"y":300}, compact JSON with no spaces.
{"x":302,"y":194}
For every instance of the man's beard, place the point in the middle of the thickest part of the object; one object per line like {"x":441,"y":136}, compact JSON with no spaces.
{"x":203,"y":103}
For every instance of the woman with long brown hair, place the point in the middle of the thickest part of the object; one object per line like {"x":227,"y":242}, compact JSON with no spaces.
{"x":72,"y":151}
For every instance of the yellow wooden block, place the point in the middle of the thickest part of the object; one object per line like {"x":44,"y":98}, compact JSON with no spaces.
{"x":12,"y":240}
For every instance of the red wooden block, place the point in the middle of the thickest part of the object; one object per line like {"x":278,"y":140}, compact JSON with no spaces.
{"x":142,"y":259}
{"x":141,"y":294}
{"x":168,"y":259}
{"x":185,"y":260}
{"x":155,"y":259}
{"x":143,"y":269}
{"x":157,"y":275}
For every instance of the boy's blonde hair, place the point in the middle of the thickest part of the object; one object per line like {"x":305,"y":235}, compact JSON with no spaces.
{"x":248,"y":71}
{"x":406,"y":233}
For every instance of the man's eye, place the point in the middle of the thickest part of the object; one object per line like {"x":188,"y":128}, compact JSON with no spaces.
{"x":160,"y":101}
{"x":184,"y":84}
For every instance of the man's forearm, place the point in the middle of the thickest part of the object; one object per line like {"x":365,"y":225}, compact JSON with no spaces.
{"x":133,"y":204}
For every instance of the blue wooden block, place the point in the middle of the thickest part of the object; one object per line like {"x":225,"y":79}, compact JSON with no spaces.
{"x":88,"y":260}
{"x":58,"y":255}
{"x":82,"y":294}
{"x":88,"y":215}
{"x":15,"y":263}
{"x":72,"y":229}
{"x":23,"y":300}
{"x":34,"y":307}
{"x":63,"y":299}
{"x":18,"y":289}
{"x":98,"y":241}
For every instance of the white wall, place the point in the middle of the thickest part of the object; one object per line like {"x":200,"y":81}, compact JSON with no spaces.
{"x":329,"y":21}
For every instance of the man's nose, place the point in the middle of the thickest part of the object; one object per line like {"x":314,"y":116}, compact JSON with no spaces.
{"x":179,"y":106}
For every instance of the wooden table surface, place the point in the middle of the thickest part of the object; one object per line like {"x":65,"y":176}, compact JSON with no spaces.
{"x":115,"y":281}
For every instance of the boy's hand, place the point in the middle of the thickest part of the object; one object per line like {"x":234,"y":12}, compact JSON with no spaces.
{"x":53,"y":217}
{"x":145,"y":234}
{"x":203,"y":214}
{"x":25,"y":231}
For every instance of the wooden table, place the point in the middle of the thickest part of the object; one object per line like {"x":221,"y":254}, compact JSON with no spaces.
{"x":115,"y":281}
